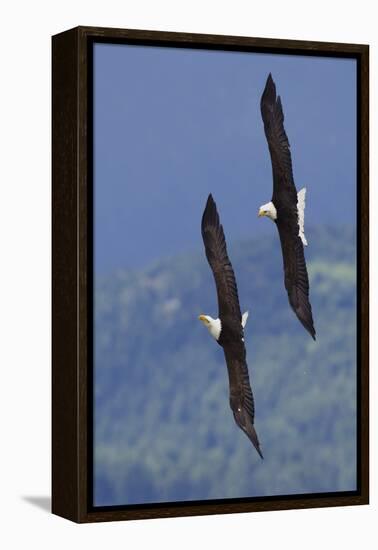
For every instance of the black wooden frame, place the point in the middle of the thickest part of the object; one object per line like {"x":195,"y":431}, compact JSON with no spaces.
{"x":72,"y":279}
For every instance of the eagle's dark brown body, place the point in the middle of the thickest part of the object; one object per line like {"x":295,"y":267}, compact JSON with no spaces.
{"x":232,"y":334}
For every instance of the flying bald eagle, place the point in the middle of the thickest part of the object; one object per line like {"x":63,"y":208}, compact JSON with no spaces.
{"x":286,"y":208}
{"x":228,"y":329}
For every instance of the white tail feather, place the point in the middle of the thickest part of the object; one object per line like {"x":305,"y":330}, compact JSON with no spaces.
{"x":301,"y":205}
{"x":244,"y":318}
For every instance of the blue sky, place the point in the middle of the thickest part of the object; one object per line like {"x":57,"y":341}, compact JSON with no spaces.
{"x":172,"y":125}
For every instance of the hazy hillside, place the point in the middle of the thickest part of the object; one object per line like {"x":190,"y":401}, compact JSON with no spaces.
{"x":164,"y":430}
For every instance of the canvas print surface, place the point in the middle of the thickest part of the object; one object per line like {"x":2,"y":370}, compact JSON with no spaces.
{"x":200,"y":158}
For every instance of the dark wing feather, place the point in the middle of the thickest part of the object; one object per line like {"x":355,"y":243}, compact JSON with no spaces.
{"x":216,"y":253}
{"x":241,"y":397}
{"x":279,"y":147}
{"x":296,"y":277}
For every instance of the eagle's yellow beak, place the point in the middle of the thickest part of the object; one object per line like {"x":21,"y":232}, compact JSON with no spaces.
{"x":261,"y":213}
{"x":203,"y":319}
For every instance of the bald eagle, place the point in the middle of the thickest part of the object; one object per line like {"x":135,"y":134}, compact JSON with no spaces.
{"x":228,"y":328}
{"x":286,"y":208}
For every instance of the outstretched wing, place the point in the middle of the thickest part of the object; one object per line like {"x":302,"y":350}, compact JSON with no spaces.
{"x":296,"y":277}
{"x":216,"y":253}
{"x":279,"y":147}
{"x":241,"y":397}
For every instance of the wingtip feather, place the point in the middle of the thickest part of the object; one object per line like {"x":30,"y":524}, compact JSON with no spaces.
{"x":309,"y":327}
{"x":210,"y":214}
{"x":307,"y":321}
{"x":269,"y":93}
{"x":260,"y":453}
{"x":252,"y":435}
{"x":270,"y":80}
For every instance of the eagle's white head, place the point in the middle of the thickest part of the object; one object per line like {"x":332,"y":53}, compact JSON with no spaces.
{"x":214,"y":326}
{"x":268,"y":210}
